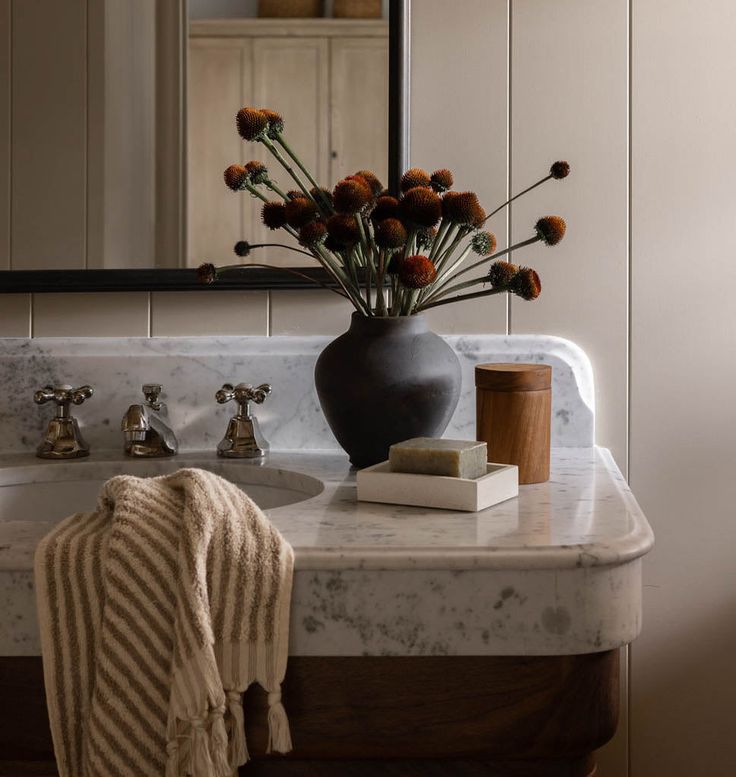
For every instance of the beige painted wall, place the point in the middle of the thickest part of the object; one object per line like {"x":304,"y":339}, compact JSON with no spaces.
{"x":499,"y":90}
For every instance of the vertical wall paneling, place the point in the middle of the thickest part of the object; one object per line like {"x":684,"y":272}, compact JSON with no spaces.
{"x":171,"y":162}
{"x":215,"y":68}
{"x":569,"y":101}
{"x":49,"y":109}
{"x":683,"y":370}
{"x":459,"y":61}
{"x":5,"y":137}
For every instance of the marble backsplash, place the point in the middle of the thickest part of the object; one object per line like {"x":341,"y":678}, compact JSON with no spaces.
{"x":193,"y":369}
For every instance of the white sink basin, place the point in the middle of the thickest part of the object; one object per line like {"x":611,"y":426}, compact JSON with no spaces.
{"x":52,"y":491}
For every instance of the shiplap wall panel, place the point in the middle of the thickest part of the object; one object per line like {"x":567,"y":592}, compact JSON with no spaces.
{"x":49,"y":126}
{"x":683,"y":371}
{"x":291,"y":76}
{"x":5,"y":75}
{"x":217,"y":217}
{"x":459,"y":59}
{"x":359,"y":125}
{"x":569,"y":82}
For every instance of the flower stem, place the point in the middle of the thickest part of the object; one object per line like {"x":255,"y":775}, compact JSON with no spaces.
{"x":281,"y":140}
{"x":516,"y":196}
{"x":233,"y":267}
{"x":461,"y":298}
{"x":490,"y":258}
{"x":289,"y":169}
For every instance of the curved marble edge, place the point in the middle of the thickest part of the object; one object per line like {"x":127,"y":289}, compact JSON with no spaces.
{"x":334,"y":515}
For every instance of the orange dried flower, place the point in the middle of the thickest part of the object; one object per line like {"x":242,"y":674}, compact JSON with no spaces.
{"x":351,"y":195}
{"x":421,"y":207}
{"x":463,"y":208}
{"x":300,"y":211}
{"x":559,"y":170}
{"x":235,"y":177}
{"x":551,"y":229}
{"x":273,"y":214}
{"x":275,"y":121}
{"x":326,"y":194}
{"x":526,"y":284}
{"x":371,"y":179}
{"x":387,"y":207}
{"x":343,"y":228}
{"x":502,"y":274}
{"x":257,"y":172}
{"x":251,"y":123}
{"x":441,"y":180}
{"x":313,"y":233}
{"x":390,"y":233}
{"x":414,"y":177}
{"x":416,"y":272}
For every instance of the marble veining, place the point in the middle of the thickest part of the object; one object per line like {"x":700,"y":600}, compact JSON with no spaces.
{"x":193,"y":369}
{"x":557,"y":570}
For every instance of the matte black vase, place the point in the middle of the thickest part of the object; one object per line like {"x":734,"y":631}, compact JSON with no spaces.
{"x":386,"y":380}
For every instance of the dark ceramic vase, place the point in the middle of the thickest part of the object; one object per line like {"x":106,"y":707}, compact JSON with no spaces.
{"x":386,"y":380}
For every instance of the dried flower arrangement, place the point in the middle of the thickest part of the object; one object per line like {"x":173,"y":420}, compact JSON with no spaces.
{"x":411,"y":249}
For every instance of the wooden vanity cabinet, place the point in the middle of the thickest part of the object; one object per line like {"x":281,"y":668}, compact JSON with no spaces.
{"x":539,"y":716}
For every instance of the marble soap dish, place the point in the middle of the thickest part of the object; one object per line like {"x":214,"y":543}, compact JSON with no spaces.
{"x":379,"y":484}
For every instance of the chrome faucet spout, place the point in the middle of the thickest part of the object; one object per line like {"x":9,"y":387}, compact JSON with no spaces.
{"x":145,"y":432}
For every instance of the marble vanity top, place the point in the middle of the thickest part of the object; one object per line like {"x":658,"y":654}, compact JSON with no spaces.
{"x":557,"y":570}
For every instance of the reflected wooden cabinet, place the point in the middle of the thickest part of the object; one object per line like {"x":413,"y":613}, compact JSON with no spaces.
{"x":328,"y":77}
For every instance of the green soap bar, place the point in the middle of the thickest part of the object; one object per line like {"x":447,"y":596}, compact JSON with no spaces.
{"x":434,"y":456}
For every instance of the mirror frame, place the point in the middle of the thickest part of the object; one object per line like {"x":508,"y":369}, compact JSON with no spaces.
{"x":255,"y":278}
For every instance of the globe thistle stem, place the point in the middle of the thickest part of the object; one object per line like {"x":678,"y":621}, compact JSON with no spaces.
{"x":520,"y":194}
{"x":289,"y":169}
{"x":325,"y":204}
{"x":228,"y":268}
{"x":487,"y":259}
{"x":460,"y":298}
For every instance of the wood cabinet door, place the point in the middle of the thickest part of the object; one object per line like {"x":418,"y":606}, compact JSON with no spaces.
{"x":359,"y":106}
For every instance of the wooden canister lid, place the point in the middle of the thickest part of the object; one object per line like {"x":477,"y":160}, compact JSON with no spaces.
{"x":513,"y":377}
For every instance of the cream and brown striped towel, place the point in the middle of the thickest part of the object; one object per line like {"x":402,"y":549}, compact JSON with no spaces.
{"x":156,"y":612}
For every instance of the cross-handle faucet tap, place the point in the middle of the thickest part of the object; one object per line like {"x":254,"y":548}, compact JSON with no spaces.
{"x":146,"y":433}
{"x":243,"y":438}
{"x":63,"y":440}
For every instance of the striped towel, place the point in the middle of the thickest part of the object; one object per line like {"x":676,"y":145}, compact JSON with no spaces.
{"x":156,"y":612}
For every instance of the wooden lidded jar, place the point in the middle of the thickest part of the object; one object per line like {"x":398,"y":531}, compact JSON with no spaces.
{"x":514,"y":416}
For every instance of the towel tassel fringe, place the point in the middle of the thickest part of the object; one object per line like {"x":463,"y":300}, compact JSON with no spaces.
{"x":279,"y":736}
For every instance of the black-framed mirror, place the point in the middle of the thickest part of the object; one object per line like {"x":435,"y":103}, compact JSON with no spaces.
{"x":170,"y":54}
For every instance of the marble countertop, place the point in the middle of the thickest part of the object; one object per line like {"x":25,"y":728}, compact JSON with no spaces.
{"x":585,"y":515}
{"x":556,"y":571}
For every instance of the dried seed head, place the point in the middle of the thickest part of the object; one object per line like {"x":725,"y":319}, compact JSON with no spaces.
{"x":236,"y":176}
{"x":421,"y":207}
{"x":425,"y":238}
{"x":502,"y":274}
{"x":275,"y":122}
{"x":257,"y":172}
{"x":296,"y":194}
{"x":560,"y":170}
{"x":551,"y":229}
{"x":414,"y":177}
{"x":351,"y":195}
{"x":416,"y":272}
{"x":343,"y":228}
{"x":371,"y":179}
{"x":483,"y":243}
{"x":300,"y":211}
{"x":326,"y":194}
{"x":441,"y":180}
{"x":387,"y":207}
{"x":206,"y":273}
{"x":273,"y":214}
{"x":394,"y":264}
{"x":463,"y":208}
{"x":242,"y":248}
{"x":251,"y":123}
{"x":390,"y":233}
{"x":313,"y":233}
{"x":526,"y":284}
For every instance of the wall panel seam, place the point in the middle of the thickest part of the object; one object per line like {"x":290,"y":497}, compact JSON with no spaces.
{"x":509,"y":60}
{"x":629,"y":257}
